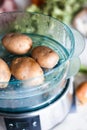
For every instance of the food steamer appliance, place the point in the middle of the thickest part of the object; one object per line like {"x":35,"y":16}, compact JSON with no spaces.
{"x":42,"y":107}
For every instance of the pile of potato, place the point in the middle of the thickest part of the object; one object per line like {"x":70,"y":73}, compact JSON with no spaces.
{"x":25,"y":67}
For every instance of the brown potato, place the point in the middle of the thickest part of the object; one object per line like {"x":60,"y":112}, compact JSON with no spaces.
{"x":17,"y":43}
{"x":45,"y":56}
{"x":81,"y":92}
{"x":5,"y":74}
{"x":24,"y":68}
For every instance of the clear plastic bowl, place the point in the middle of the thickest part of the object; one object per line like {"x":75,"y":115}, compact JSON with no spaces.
{"x":44,"y":30}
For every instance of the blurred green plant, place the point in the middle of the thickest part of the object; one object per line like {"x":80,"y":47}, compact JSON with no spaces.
{"x":64,"y":10}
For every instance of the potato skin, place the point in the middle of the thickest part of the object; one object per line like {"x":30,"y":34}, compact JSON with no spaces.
{"x":81,"y":92}
{"x":5,"y":73}
{"x":45,"y":56}
{"x":25,"y":68}
{"x":17,"y":43}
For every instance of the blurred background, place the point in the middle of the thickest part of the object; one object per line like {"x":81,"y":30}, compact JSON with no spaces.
{"x":71,"y":12}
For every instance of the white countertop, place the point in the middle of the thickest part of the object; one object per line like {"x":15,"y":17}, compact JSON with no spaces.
{"x":75,"y":121}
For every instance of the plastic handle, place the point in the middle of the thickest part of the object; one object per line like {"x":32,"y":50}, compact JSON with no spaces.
{"x":79,"y":42}
{"x":74,"y":67}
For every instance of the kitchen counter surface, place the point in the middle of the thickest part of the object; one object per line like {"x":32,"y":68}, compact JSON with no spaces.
{"x":75,"y":121}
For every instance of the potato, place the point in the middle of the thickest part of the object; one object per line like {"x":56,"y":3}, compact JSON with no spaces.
{"x":26,"y":68}
{"x":81,"y":92}
{"x":45,"y":56}
{"x":5,"y":74}
{"x":17,"y":43}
